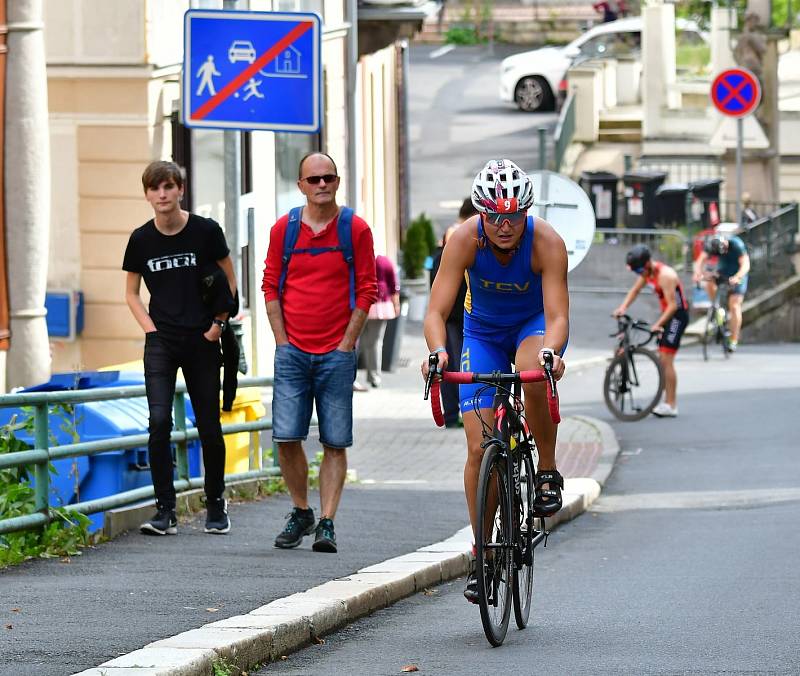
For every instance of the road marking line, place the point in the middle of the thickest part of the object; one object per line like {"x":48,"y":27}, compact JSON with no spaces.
{"x":436,"y":53}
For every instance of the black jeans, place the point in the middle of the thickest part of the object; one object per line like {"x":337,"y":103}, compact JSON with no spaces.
{"x":200,"y":361}
{"x":450,"y":398}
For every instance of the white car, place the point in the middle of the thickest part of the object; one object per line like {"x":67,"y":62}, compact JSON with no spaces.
{"x":532,"y":79}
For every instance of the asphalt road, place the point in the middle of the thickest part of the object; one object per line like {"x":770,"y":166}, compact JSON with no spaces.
{"x":687,"y":564}
{"x":458,"y":123}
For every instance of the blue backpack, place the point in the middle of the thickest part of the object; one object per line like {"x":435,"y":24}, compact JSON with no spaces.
{"x":344,"y":231}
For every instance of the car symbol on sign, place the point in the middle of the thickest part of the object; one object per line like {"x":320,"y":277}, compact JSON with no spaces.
{"x":242,"y":50}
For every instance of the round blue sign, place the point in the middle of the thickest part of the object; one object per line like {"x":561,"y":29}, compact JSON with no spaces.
{"x":736,"y":92}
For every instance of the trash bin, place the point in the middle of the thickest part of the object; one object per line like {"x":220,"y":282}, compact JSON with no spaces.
{"x":102,"y":474}
{"x":671,"y":199}
{"x":641,"y":208}
{"x":705,"y":201}
{"x":601,"y":186}
{"x":393,"y":337}
{"x":246,"y":407}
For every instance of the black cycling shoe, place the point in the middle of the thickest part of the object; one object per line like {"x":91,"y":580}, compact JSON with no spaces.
{"x":300,"y":523}
{"x":163,"y":523}
{"x":217,"y":520}
{"x":471,"y":589}
{"x":547,"y":501}
{"x":326,"y":538}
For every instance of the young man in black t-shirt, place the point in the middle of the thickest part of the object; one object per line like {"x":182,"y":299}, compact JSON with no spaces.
{"x":170,"y":252}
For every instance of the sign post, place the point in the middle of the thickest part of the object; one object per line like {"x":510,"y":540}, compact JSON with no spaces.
{"x":736,"y":92}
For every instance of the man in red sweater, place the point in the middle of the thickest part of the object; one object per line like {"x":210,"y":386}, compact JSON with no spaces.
{"x":315,"y":335}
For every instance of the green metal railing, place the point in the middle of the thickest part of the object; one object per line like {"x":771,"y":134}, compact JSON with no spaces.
{"x":42,"y":454}
{"x":565,"y":131}
{"x":771,"y":244}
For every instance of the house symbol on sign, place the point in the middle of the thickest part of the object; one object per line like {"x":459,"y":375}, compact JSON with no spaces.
{"x":289,"y":61}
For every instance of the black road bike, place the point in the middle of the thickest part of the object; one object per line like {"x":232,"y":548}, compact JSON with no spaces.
{"x":634,"y":379}
{"x":509,"y":528}
{"x":716,"y":328}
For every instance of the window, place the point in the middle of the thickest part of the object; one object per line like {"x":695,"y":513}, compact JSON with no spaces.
{"x":289,"y":150}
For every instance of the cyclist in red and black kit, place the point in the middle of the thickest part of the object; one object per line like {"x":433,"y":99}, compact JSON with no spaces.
{"x":671,"y":323}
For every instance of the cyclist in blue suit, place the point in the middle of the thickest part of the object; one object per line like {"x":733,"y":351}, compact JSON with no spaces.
{"x":733,"y":263}
{"x":516,"y":309}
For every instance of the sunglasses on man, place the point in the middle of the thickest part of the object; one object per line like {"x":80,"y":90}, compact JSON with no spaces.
{"x":314,"y":180}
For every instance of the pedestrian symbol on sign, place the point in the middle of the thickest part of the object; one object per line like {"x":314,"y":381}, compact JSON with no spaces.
{"x":206,"y":73}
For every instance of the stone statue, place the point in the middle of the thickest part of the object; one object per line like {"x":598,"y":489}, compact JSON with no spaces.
{"x":751,"y":46}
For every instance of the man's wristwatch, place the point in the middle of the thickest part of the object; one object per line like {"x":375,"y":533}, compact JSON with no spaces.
{"x":220,"y":323}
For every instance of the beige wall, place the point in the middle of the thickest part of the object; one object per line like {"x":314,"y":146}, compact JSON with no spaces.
{"x":379,"y":148}
{"x":113,"y":71}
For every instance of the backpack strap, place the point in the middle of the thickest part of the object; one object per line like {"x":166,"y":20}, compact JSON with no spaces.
{"x":289,"y":240}
{"x":344,"y":230}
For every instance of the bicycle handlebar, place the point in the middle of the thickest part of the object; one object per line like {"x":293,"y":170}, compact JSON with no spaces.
{"x":465,"y":377}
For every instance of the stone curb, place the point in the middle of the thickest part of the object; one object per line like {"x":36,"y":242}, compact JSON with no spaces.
{"x":285,"y":625}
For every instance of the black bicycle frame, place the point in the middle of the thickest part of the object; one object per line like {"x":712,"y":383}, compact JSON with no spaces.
{"x":507,"y":422}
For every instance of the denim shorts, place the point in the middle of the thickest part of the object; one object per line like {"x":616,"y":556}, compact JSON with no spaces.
{"x":304,"y":380}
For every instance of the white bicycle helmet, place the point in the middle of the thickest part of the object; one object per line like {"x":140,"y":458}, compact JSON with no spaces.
{"x":501,"y":187}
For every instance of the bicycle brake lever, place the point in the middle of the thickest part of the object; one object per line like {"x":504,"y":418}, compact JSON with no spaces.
{"x":433,"y":363}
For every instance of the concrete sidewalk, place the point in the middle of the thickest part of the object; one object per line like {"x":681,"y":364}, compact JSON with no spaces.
{"x":181,"y":605}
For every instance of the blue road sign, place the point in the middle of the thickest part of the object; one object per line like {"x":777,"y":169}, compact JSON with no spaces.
{"x":736,"y":92}
{"x":252,"y":70}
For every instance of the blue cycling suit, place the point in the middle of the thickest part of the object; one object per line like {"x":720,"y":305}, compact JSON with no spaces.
{"x":504,"y":305}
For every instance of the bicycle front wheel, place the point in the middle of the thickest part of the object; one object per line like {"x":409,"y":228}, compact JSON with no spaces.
{"x":523,"y":569}
{"x":493,"y":545}
{"x":633,"y":384}
{"x":709,"y":333}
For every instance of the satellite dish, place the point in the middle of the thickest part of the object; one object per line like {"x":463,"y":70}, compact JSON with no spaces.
{"x":564,"y":205}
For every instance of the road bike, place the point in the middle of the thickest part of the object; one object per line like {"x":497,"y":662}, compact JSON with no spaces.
{"x":634,"y":379}
{"x":716,"y":329}
{"x":511,"y":530}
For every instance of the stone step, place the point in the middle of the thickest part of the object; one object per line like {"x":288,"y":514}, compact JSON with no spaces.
{"x":612,"y":124}
{"x":619,"y":135}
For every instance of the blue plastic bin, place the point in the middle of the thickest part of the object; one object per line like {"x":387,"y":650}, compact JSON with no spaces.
{"x":102,"y":474}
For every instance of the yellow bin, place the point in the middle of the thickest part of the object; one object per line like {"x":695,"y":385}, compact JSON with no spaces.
{"x":246,"y":407}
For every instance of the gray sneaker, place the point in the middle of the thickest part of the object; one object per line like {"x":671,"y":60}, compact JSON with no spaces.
{"x":300,"y":524}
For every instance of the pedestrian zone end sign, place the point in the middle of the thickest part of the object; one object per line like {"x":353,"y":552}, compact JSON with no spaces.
{"x":252,"y":71}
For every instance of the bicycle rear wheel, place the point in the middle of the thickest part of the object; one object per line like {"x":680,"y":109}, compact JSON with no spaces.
{"x":493,"y":546}
{"x":633,"y":384}
{"x":523,"y":569}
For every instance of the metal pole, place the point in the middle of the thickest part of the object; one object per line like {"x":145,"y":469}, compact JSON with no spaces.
{"x":352,"y":105}
{"x":739,"y":137}
{"x":542,"y":148}
{"x":233,"y":179}
{"x":42,"y":472}
{"x":181,"y":455}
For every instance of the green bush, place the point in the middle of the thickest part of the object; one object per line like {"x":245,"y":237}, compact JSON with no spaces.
{"x":415,"y":251}
{"x":462,"y":35}
{"x":64,"y":536}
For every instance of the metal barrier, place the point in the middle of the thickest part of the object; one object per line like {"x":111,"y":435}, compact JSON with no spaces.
{"x":684,"y":169}
{"x":771,"y":244}
{"x":565,"y":130}
{"x":604,"y":269}
{"x":42,"y":453}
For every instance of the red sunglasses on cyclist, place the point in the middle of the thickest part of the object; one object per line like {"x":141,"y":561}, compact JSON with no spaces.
{"x":314,"y":180}
{"x":513,"y":220}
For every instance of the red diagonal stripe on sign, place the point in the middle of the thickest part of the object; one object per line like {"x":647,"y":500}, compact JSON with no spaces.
{"x":251,"y":70}
{"x":734,"y":93}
